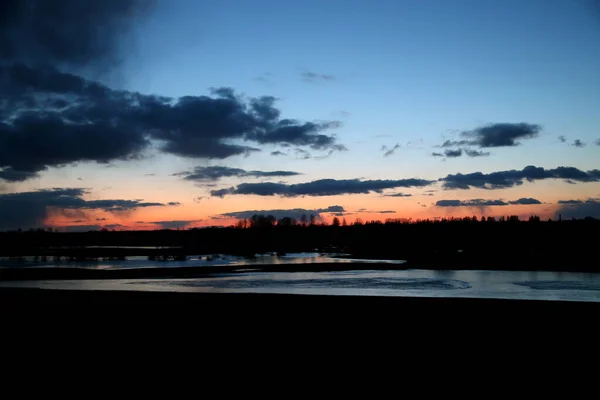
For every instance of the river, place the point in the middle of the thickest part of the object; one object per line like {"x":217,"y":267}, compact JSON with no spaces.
{"x":566,"y":286}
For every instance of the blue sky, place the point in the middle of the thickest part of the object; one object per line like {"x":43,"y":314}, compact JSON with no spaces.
{"x":404,"y":72}
{"x":409,"y":70}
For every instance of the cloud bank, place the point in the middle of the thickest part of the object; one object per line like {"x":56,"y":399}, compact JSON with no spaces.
{"x":579,"y":208}
{"x":511,"y":178}
{"x":322,"y":187}
{"x":30,"y":209}
{"x":295,"y":213}
{"x":52,"y":116}
{"x":486,"y":203}
{"x":215,"y":173}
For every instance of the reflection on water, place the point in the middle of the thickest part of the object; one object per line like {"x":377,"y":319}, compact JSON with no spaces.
{"x":192,"y":261}
{"x":415,"y":283}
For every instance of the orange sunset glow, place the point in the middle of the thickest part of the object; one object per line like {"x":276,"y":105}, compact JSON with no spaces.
{"x":165,"y":122}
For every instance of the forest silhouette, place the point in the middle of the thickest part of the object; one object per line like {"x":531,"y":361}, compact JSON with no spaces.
{"x":505,"y":243}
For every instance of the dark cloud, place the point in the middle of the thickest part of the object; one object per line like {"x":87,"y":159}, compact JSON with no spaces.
{"x":576,"y":142}
{"x":173,"y":203}
{"x":215,"y":173}
{"x":331,"y":209}
{"x":100,"y":219}
{"x":112,"y":205}
{"x":66,"y":32}
{"x":174,"y":224}
{"x":322,"y":187}
{"x":398,"y":195}
{"x":510,"y":178}
{"x":597,"y":142}
{"x":10,"y":175}
{"x":484,"y":203}
{"x":526,"y":201}
{"x":313,"y":77}
{"x":295,"y":213}
{"x":112,"y":226}
{"x":292,"y":132}
{"x":496,"y":135}
{"x":470,"y":203}
{"x":476,"y":153}
{"x":30,"y":209}
{"x":94,"y":123}
{"x":79,"y":220}
{"x":278,"y":153}
{"x":578,"y":208}
{"x":390,"y":151}
{"x":570,"y":202}
{"x":453,"y":153}
{"x":377,"y":211}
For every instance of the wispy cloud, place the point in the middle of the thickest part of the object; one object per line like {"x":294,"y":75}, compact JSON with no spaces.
{"x":398,"y":195}
{"x":454,"y":153}
{"x":314,"y":77}
{"x":214,"y":173}
{"x":390,"y":150}
{"x":266,"y":79}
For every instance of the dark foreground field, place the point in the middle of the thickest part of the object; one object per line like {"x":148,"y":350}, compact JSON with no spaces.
{"x":301,"y":337}
{"x":250,"y":311}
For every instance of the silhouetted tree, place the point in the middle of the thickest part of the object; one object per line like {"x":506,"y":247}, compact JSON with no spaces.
{"x":286,"y":221}
{"x":262,"y":221}
{"x":303,"y":219}
{"x":335,"y":222}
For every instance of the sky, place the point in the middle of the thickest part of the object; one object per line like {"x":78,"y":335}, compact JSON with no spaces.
{"x":150,"y":114}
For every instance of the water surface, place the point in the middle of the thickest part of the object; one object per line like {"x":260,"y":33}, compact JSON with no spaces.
{"x":211,"y":260}
{"x":413,"y":283}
